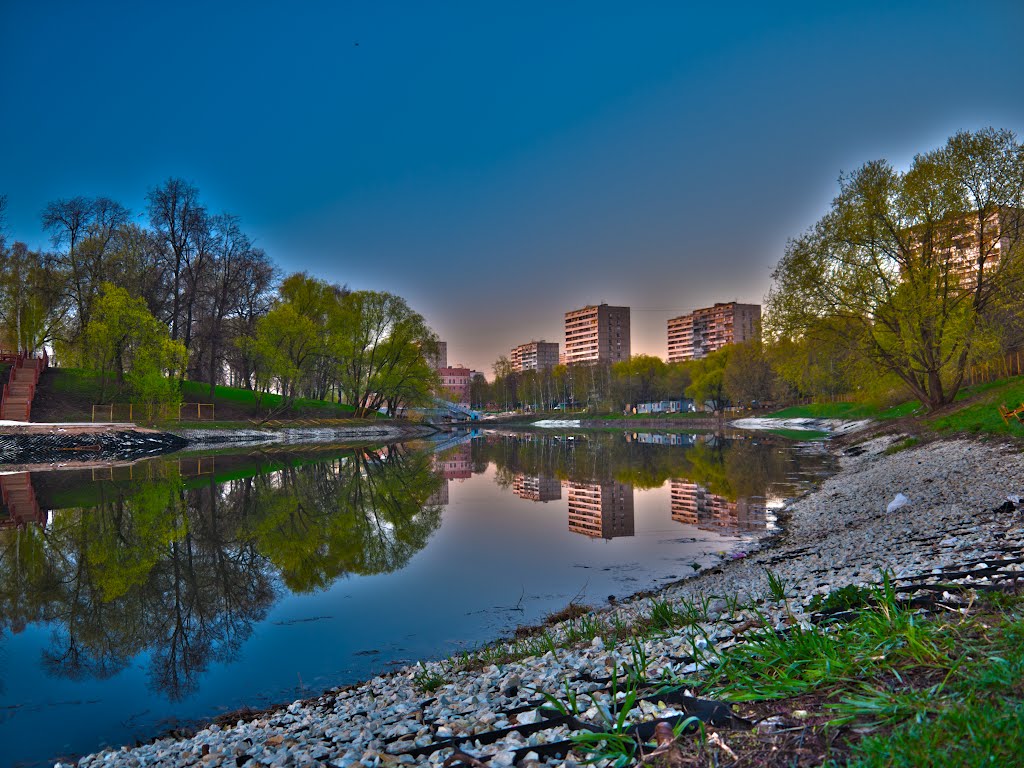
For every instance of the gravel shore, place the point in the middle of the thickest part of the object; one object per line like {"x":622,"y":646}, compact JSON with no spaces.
{"x":956,"y":530}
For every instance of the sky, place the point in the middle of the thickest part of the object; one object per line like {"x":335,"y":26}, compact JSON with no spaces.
{"x":498,"y":164}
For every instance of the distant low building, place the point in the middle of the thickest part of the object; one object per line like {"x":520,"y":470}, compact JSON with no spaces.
{"x":534,"y":356}
{"x":666,"y":406}
{"x":456,"y":381}
{"x":703,"y":331}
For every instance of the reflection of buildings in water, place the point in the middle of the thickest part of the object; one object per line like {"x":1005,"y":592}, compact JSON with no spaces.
{"x":600,"y":509}
{"x":440,"y":496}
{"x":671,"y":438}
{"x":456,"y":464}
{"x":536,"y":487}
{"x":693,"y":504}
{"x":19,"y":501}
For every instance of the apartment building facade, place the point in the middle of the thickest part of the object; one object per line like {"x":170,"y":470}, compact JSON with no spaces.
{"x":957,"y":241}
{"x":597,"y":334}
{"x":706,"y":330}
{"x":536,"y":487}
{"x":456,"y":381}
{"x":440,"y":360}
{"x":693,"y":504}
{"x":534,"y":356}
{"x":600,"y":510}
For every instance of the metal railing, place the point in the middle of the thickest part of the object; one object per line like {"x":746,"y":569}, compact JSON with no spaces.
{"x":125,"y":412}
{"x":18,"y":359}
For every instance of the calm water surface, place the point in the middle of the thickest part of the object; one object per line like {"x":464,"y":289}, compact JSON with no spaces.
{"x":141,"y":598}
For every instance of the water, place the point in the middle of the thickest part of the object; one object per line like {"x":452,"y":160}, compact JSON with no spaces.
{"x":148,"y":597}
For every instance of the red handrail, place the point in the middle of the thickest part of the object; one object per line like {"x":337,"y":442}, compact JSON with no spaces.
{"x":18,"y":361}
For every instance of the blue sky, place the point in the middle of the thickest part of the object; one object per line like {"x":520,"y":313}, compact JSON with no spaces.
{"x":498,"y":164}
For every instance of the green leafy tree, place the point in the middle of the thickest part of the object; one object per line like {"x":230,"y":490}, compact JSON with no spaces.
{"x":124,"y":338}
{"x":748,"y":375}
{"x":384,"y":349}
{"x":641,"y":379}
{"x":913,"y":269}
{"x":708,"y":385}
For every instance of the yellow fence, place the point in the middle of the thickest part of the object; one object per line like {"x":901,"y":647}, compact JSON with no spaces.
{"x":1003,"y":368}
{"x":149,"y":470}
{"x":125,"y":412}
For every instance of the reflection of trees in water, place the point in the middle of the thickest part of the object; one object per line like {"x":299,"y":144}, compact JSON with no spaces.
{"x":729,"y":467}
{"x":365,"y":513}
{"x":183,"y":573}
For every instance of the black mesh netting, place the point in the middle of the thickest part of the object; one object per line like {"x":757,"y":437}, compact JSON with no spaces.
{"x":60,"y":448}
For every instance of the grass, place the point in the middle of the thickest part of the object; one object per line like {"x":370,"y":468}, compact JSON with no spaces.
{"x":927,"y":690}
{"x":246,"y":400}
{"x":847,"y":411}
{"x":891,"y":685}
{"x":974,"y":411}
{"x":980,"y":415}
{"x":974,"y":716}
{"x":77,"y":390}
{"x":800,"y":435}
{"x":427,"y":681}
{"x":902,"y":445}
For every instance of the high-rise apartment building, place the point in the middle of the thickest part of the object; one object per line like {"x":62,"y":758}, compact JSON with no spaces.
{"x":536,"y":487}
{"x":601,"y":510}
{"x":441,"y":359}
{"x":534,"y":356}
{"x":956,"y":240}
{"x":597,"y":334}
{"x":703,"y":331}
{"x":693,"y":504}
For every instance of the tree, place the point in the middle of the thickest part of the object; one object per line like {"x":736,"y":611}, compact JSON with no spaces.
{"x":125,"y":339}
{"x":178,"y":218}
{"x":32,"y":302}
{"x":640,"y":379}
{"x":708,"y":385}
{"x":748,"y":376}
{"x":913,"y":268}
{"x":87,"y":228}
{"x":479,"y":391}
{"x":385,"y":349}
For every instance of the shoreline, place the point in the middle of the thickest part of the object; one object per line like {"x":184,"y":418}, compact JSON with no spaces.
{"x":489,"y":704}
{"x":42,"y":446}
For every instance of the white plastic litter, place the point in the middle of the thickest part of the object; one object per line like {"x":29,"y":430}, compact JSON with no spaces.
{"x":899,"y":501}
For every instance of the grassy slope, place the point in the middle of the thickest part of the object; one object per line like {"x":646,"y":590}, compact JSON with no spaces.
{"x":975,"y":410}
{"x":978,"y":411}
{"x":68,"y":394}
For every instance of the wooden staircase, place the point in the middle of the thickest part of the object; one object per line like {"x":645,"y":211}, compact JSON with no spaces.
{"x":16,"y":400}
{"x":19,"y":500}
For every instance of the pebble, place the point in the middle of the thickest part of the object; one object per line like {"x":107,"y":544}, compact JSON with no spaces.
{"x":949,"y":529}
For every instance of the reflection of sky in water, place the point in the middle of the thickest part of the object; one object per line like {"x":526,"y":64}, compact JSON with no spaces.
{"x":496,"y":560}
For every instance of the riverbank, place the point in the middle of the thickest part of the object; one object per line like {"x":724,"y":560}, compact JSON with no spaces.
{"x":37,"y":446}
{"x":957,"y":534}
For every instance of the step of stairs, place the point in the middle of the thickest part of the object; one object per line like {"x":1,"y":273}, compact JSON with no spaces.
{"x":19,"y":498}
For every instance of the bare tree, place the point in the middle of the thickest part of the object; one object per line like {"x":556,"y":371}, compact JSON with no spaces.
{"x":177,"y":215}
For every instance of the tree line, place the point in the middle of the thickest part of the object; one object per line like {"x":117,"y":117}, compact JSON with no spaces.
{"x":910,"y":278}
{"x":188,"y":294}
{"x":736,"y":374}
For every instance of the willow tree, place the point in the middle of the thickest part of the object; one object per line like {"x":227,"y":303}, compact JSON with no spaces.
{"x":915,"y":270}
{"x":384,"y":348}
